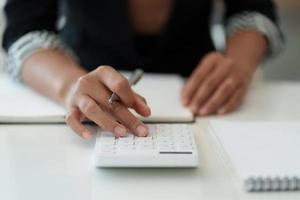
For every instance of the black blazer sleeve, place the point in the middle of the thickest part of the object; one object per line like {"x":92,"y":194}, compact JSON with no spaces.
{"x":23,"y":16}
{"x":265,"y":7}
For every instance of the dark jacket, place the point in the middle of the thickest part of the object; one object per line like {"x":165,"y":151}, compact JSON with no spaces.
{"x":99,"y":31}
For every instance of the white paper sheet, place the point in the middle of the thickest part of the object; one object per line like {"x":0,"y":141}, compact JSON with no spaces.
{"x":19,"y":103}
{"x":261,"y":149}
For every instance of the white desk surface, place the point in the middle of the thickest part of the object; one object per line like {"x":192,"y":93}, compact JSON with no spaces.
{"x":50,"y":162}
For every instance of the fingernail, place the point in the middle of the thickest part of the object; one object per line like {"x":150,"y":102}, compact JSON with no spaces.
{"x":142,"y":131}
{"x":86,"y":135}
{"x":120,"y":131}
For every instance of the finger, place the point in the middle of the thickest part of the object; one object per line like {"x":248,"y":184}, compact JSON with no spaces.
{"x":206,"y":66}
{"x":233,"y":102}
{"x":210,"y":84}
{"x":116,"y":83}
{"x":73,"y":119}
{"x":222,"y":94}
{"x":141,"y":106}
{"x":93,"y":111}
{"x":141,"y":97}
{"x":101,"y":95}
{"x":123,"y":115}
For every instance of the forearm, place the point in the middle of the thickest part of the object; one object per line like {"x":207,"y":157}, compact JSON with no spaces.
{"x":247,"y":49}
{"x":51,"y":73}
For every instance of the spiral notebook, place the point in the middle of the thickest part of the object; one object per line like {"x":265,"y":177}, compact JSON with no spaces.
{"x":265,"y":155}
{"x":20,"y":104}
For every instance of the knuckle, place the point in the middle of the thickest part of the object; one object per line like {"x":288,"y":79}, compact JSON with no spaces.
{"x":213,"y":55}
{"x":197,"y":74}
{"x":83,"y":81}
{"x":120,"y":85}
{"x":103,"y":68}
{"x":228,"y":62}
{"x":238,"y":79}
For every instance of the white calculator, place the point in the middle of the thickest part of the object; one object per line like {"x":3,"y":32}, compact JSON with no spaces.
{"x":168,"y":145}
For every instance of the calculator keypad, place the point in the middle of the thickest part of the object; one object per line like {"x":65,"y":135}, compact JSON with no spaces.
{"x":162,"y":138}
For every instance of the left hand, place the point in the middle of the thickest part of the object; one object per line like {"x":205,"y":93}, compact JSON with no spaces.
{"x":217,"y":85}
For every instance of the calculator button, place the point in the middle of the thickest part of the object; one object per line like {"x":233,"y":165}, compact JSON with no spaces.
{"x":167,"y":148}
{"x":185,"y":147}
{"x":152,"y":129}
{"x":125,"y":147}
{"x":125,"y":142}
{"x":143,"y":140}
{"x":145,"y":147}
{"x":107,"y":149}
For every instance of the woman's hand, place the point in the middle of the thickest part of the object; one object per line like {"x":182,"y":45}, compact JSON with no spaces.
{"x":89,"y":99}
{"x":217,"y":85}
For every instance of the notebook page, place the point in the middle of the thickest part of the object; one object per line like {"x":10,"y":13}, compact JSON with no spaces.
{"x":267,"y":149}
{"x":162,"y":93}
{"x":18,"y":101}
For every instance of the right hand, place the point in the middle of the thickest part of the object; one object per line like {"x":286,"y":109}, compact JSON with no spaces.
{"x":89,"y":96}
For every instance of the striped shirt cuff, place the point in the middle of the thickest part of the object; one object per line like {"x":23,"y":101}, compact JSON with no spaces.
{"x":260,"y":23}
{"x":27,"y":45}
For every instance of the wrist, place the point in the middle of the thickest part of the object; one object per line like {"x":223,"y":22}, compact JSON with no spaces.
{"x":247,"y":49}
{"x":243,"y":65}
{"x":66,"y":88}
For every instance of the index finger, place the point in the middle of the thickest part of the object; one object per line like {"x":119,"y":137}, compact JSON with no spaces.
{"x":116,"y":83}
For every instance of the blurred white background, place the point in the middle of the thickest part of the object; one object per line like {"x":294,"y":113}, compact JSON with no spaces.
{"x":285,"y":66}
